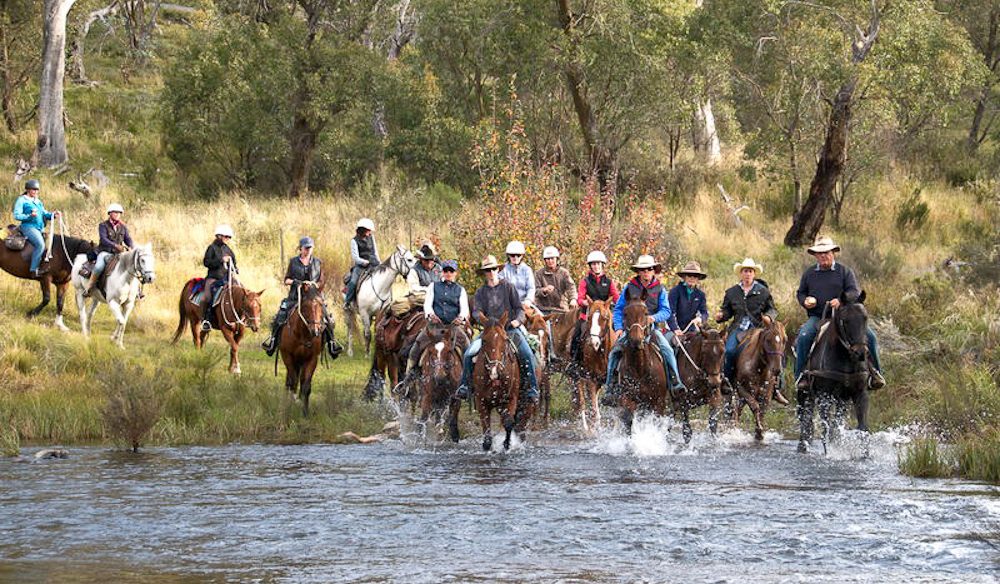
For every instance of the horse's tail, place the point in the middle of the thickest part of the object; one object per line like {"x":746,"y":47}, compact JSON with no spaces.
{"x":182,"y":320}
{"x":375,"y":388}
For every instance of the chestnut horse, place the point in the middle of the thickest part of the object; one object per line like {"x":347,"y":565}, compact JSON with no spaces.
{"x":537,"y":324}
{"x":758,"y":372}
{"x":441,"y":365}
{"x":301,"y":342}
{"x":64,"y":251}
{"x":496,"y":380}
{"x":699,"y":361}
{"x":391,"y":336}
{"x":594,"y":368}
{"x":643,"y":379}
{"x":237,"y":308}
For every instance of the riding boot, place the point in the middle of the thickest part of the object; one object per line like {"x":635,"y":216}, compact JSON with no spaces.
{"x":271,"y":344}
{"x":206,"y":316}
{"x":780,"y":398}
{"x":332,"y":346}
{"x":875,"y":379}
{"x":803,"y":381}
{"x":91,"y":282}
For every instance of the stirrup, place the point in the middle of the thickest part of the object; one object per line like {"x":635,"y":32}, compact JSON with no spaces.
{"x":803,"y":381}
{"x":206,"y":326}
{"x":875,"y":379}
{"x":778,"y":397}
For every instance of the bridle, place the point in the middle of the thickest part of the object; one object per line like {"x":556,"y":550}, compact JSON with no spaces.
{"x":310,"y":324}
{"x":397,"y":265}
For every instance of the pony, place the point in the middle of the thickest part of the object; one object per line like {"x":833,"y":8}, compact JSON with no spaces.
{"x":237,"y":309}
{"x":838,"y":369}
{"x":699,"y":361}
{"x":758,"y":372}
{"x":374,"y":293}
{"x":594,"y":367}
{"x":442,"y":367}
{"x":301,"y":342}
{"x":496,"y":380}
{"x":124,"y":281}
{"x":64,"y":252}
{"x":644,"y":381}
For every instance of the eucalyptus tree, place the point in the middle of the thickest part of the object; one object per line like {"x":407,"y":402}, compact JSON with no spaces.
{"x":981,"y":19}
{"x":19,"y":23}
{"x":50,"y":147}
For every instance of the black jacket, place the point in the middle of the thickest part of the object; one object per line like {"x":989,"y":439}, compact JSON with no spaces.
{"x":213,"y":260}
{"x":755,"y":304}
{"x":313,"y":272}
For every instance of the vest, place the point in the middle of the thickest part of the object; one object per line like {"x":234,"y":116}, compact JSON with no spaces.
{"x":598,"y":289}
{"x":117,"y":235}
{"x":447,"y":297}
{"x":366,"y":247}
{"x":426,"y":277}
{"x":633,"y":290}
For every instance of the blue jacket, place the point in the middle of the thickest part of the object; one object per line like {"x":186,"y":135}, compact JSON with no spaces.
{"x":662,"y":311}
{"x":23,"y":207}
{"x":685,"y":306}
{"x":522,"y":278}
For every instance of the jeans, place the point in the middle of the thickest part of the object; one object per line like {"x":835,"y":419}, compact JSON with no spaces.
{"x":732,"y":352}
{"x":526,"y":359}
{"x":662,"y":343}
{"x":37,"y":243}
{"x":807,"y":334}
{"x":102,"y":262}
{"x":352,"y":285}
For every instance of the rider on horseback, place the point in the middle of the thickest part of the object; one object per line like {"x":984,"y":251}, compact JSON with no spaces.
{"x":364,"y":256}
{"x":220,"y":261}
{"x":826,"y":283}
{"x":29,"y":210}
{"x":688,"y":306}
{"x":520,"y":276}
{"x":493,"y":299}
{"x":750,"y":305}
{"x":425,"y":272}
{"x":659,"y":312}
{"x":596,"y":285}
{"x":554,"y":290}
{"x":114,"y":239}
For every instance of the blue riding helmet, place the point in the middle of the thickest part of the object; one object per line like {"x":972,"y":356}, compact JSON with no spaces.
{"x":306,"y":242}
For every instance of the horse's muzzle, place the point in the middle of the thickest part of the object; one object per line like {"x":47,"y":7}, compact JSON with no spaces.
{"x":147,"y":278}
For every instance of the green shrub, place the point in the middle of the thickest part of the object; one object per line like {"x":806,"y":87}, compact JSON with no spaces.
{"x":133,"y":402}
{"x":923,"y":458}
{"x":912,"y":214}
{"x":979,"y":456}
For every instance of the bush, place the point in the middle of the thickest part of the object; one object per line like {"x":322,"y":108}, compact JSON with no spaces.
{"x":912,"y":214}
{"x":923,"y":458}
{"x":979,"y":456}
{"x":133,"y":402}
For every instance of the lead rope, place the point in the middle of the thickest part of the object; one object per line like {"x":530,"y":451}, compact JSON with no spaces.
{"x":232,"y":302}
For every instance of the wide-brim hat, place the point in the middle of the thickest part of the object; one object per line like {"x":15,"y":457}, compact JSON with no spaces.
{"x":692,"y":269}
{"x":489,"y":263}
{"x":823,"y":244}
{"x":426,"y":251}
{"x":748,"y":263}
{"x":645,"y":261}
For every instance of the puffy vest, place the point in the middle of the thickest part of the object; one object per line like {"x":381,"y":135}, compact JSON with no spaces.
{"x":633,"y":290}
{"x":598,"y":289}
{"x":427,"y":277}
{"x":366,"y":247}
{"x":446,"y":305}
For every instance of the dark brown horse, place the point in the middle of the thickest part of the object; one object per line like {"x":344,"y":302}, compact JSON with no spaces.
{"x":643,"y":379}
{"x":392,"y":335}
{"x":496,"y":380}
{"x":758,"y":372}
{"x":64,"y":251}
{"x":699,"y":361}
{"x":594,"y":368}
{"x":237,"y":309}
{"x":441,"y":365}
{"x":301,"y":342}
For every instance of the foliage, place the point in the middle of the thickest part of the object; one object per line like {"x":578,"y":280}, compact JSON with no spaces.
{"x":133,"y":402}
{"x":924,"y":458}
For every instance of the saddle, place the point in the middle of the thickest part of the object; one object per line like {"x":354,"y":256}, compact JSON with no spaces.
{"x":395,"y":325}
{"x":15,"y":240}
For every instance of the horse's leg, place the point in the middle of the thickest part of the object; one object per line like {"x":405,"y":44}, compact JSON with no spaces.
{"x":116,"y":311}
{"x":824,"y":416}
{"x":861,"y":410}
{"x":81,"y":308}
{"x":233,"y":348}
{"x":580,"y":403}
{"x":627,"y":417}
{"x":237,"y":337}
{"x":60,"y":299}
{"x":91,"y":309}
{"x":806,"y":404}
{"x":546,"y":386}
{"x":454,"y":407}
{"x":305,"y":383}
{"x":595,"y":405}
{"x":484,"y":421}
{"x":366,"y":321}
{"x":750,"y":400}
{"x":510,"y":417}
{"x":127,"y":314}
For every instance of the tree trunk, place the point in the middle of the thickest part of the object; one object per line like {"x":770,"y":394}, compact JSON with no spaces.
{"x":401,"y":36}
{"x":51,"y":145}
{"x":976,"y":133}
{"x":303,"y":144}
{"x":7,"y":97}
{"x":706,"y":137}
{"x":77,"y":70}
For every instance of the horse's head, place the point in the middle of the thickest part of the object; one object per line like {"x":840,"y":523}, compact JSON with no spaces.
{"x":441,"y":352}
{"x":712,"y":353}
{"x":773,"y":342}
{"x":536,"y":324}
{"x":599,"y":324}
{"x":145,"y":266}
{"x":852,"y":328}
{"x":402,"y":260}
{"x":636,"y":320}
{"x":494,"y":349}
{"x":310,"y":308}
{"x":249,"y":308}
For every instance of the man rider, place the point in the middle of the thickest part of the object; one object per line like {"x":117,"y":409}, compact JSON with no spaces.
{"x":114,"y":239}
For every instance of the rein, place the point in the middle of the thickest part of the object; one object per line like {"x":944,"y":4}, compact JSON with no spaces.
{"x":239,"y":320}
{"x":298,"y":308}
{"x":396,"y":264}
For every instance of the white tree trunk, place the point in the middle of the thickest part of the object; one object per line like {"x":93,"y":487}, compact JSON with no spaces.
{"x":706,"y":138}
{"x":51,"y":146}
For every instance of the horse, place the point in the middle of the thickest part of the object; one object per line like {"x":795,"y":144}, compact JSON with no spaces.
{"x":699,"y":362}
{"x":758,"y":372}
{"x":496,"y":380}
{"x":537,"y":324}
{"x":838,"y":369}
{"x":301,"y":342}
{"x":643,"y":379}
{"x":442,"y":367}
{"x":562,"y":325}
{"x":374,"y":293}
{"x":392,"y":335}
{"x":123,"y":283}
{"x":64,"y":251}
{"x":594,"y":367}
{"x":237,"y":309}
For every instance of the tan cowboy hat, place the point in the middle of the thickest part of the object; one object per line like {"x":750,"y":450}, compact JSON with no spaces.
{"x":692,"y":269}
{"x":748,"y":263}
{"x":645,"y":261}
{"x":823,"y":244}
{"x":489,"y":262}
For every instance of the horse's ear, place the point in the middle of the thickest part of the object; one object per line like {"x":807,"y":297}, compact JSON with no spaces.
{"x":149,"y":247}
{"x":549,"y":317}
{"x":861,"y":297}
{"x":644,"y":295}
{"x":484,"y":320}
{"x":261,"y":293}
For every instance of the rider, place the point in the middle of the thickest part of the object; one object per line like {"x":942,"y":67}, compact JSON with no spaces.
{"x":554,"y":290}
{"x":493,"y":299}
{"x":596,"y":285}
{"x":826,"y":283}
{"x":659,"y":312}
{"x":750,"y":305}
{"x":114,"y":238}
{"x":425,"y":272}
{"x":220,"y":261}
{"x":518,"y":274}
{"x":364,"y":256}
{"x":29,"y":210}
{"x":688,"y":306}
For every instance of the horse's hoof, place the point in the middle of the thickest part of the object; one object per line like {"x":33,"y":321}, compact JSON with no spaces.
{"x":506,"y":444}
{"x":453,"y":434}
{"x":803,"y":447}
{"x":487,"y":443}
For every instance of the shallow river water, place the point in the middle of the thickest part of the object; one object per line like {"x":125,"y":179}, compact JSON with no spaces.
{"x":559,"y":508}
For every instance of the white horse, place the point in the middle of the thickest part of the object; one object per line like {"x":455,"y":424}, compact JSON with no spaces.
{"x":375,"y":293}
{"x":134,"y":268}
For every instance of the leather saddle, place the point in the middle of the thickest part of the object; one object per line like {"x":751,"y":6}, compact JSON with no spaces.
{"x":15,"y":240}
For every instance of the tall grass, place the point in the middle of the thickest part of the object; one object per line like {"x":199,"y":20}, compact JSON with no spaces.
{"x":925,"y":458}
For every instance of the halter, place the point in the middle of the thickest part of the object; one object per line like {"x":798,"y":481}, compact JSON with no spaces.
{"x":137,"y":268}
{"x":842,"y":336}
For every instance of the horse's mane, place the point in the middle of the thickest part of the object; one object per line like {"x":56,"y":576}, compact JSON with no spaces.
{"x":74,"y":245}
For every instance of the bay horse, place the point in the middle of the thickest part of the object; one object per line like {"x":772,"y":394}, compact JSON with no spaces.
{"x":301,"y":342}
{"x":392,"y":335}
{"x":123,"y":284}
{"x":594,"y":368}
{"x":643,"y":378}
{"x":699,"y":362}
{"x":65,"y":250}
{"x":758,"y":372}
{"x":238,"y":308}
{"x":496,"y":380}
{"x":441,"y":365}
{"x":838,"y":370}
{"x":374,"y":293}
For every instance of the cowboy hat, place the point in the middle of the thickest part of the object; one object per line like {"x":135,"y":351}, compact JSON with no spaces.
{"x":823,"y":244}
{"x":426,"y":251}
{"x":489,"y":263}
{"x":692,"y":268}
{"x":645,"y":261}
{"x":748,"y":263}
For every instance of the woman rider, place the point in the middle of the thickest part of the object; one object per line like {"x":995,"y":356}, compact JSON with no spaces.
{"x":115,"y":239}
{"x":520,"y":276}
{"x":29,"y":210}
{"x":364,"y":256}
{"x":596,"y":285}
{"x":688,"y":305}
{"x":221,"y":262}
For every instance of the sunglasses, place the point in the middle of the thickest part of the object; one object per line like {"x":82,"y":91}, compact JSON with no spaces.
{"x":644,"y":270}
{"x":515,"y":255}
{"x":449,"y":270}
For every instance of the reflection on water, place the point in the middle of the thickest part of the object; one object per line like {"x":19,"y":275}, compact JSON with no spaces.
{"x":606,"y":509}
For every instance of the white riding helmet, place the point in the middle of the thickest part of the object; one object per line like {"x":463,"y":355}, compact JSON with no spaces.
{"x":596,"y":256}
{"x":550,"y":252}
{"x":224,"y":229}
{"x":366,"y":223}
{"x":515,"y":248}
{"x":115,"y":207}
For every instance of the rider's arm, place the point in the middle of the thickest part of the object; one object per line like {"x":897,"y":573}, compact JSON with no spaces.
{"x":356,"y":259}
{"x":672,"y":298}
{"x":516,"y":308}
{"x":581,"y":293}
{"x":530,"y":296}
{"x":212,"y":260}
{"x":726,"y":309}
{"x":44,"y":214}
{"x":569,"y":291}
{"x":663,"y":309}
{"x":703,"y":311}
{"x":803,"y":290}
{"x":463,"y":305}
{"x":769,"y":308}
{"x":478,"y":315}
{"x":19,"y":214}
{"x":615,"y":292}
{"x":619,"y":314}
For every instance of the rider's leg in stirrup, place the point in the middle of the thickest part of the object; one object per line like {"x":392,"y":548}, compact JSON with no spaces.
{"x":875,"y":378}
{"x":803,"y":345}
{"x":99,"y":265}
{"x":463,"y":390}
{"x":527,"y":362}
{"x":271,"y":344}
{"x":669,"y":359}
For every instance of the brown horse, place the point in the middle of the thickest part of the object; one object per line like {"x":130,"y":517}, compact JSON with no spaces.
{"x":643,"y":379}
{"x":442,"y":367}
{"x":237,"y":308}
{"x":594,"y":368}
{"x":562,"y":324}
{"x":536,"y":324}
{"x":301,"y":342}
{"x":496,"y":380}
{"x":64,"y":251}
{"x":700,"y":362}
{"x":758,"y":372}
{"x":392,"y":335}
